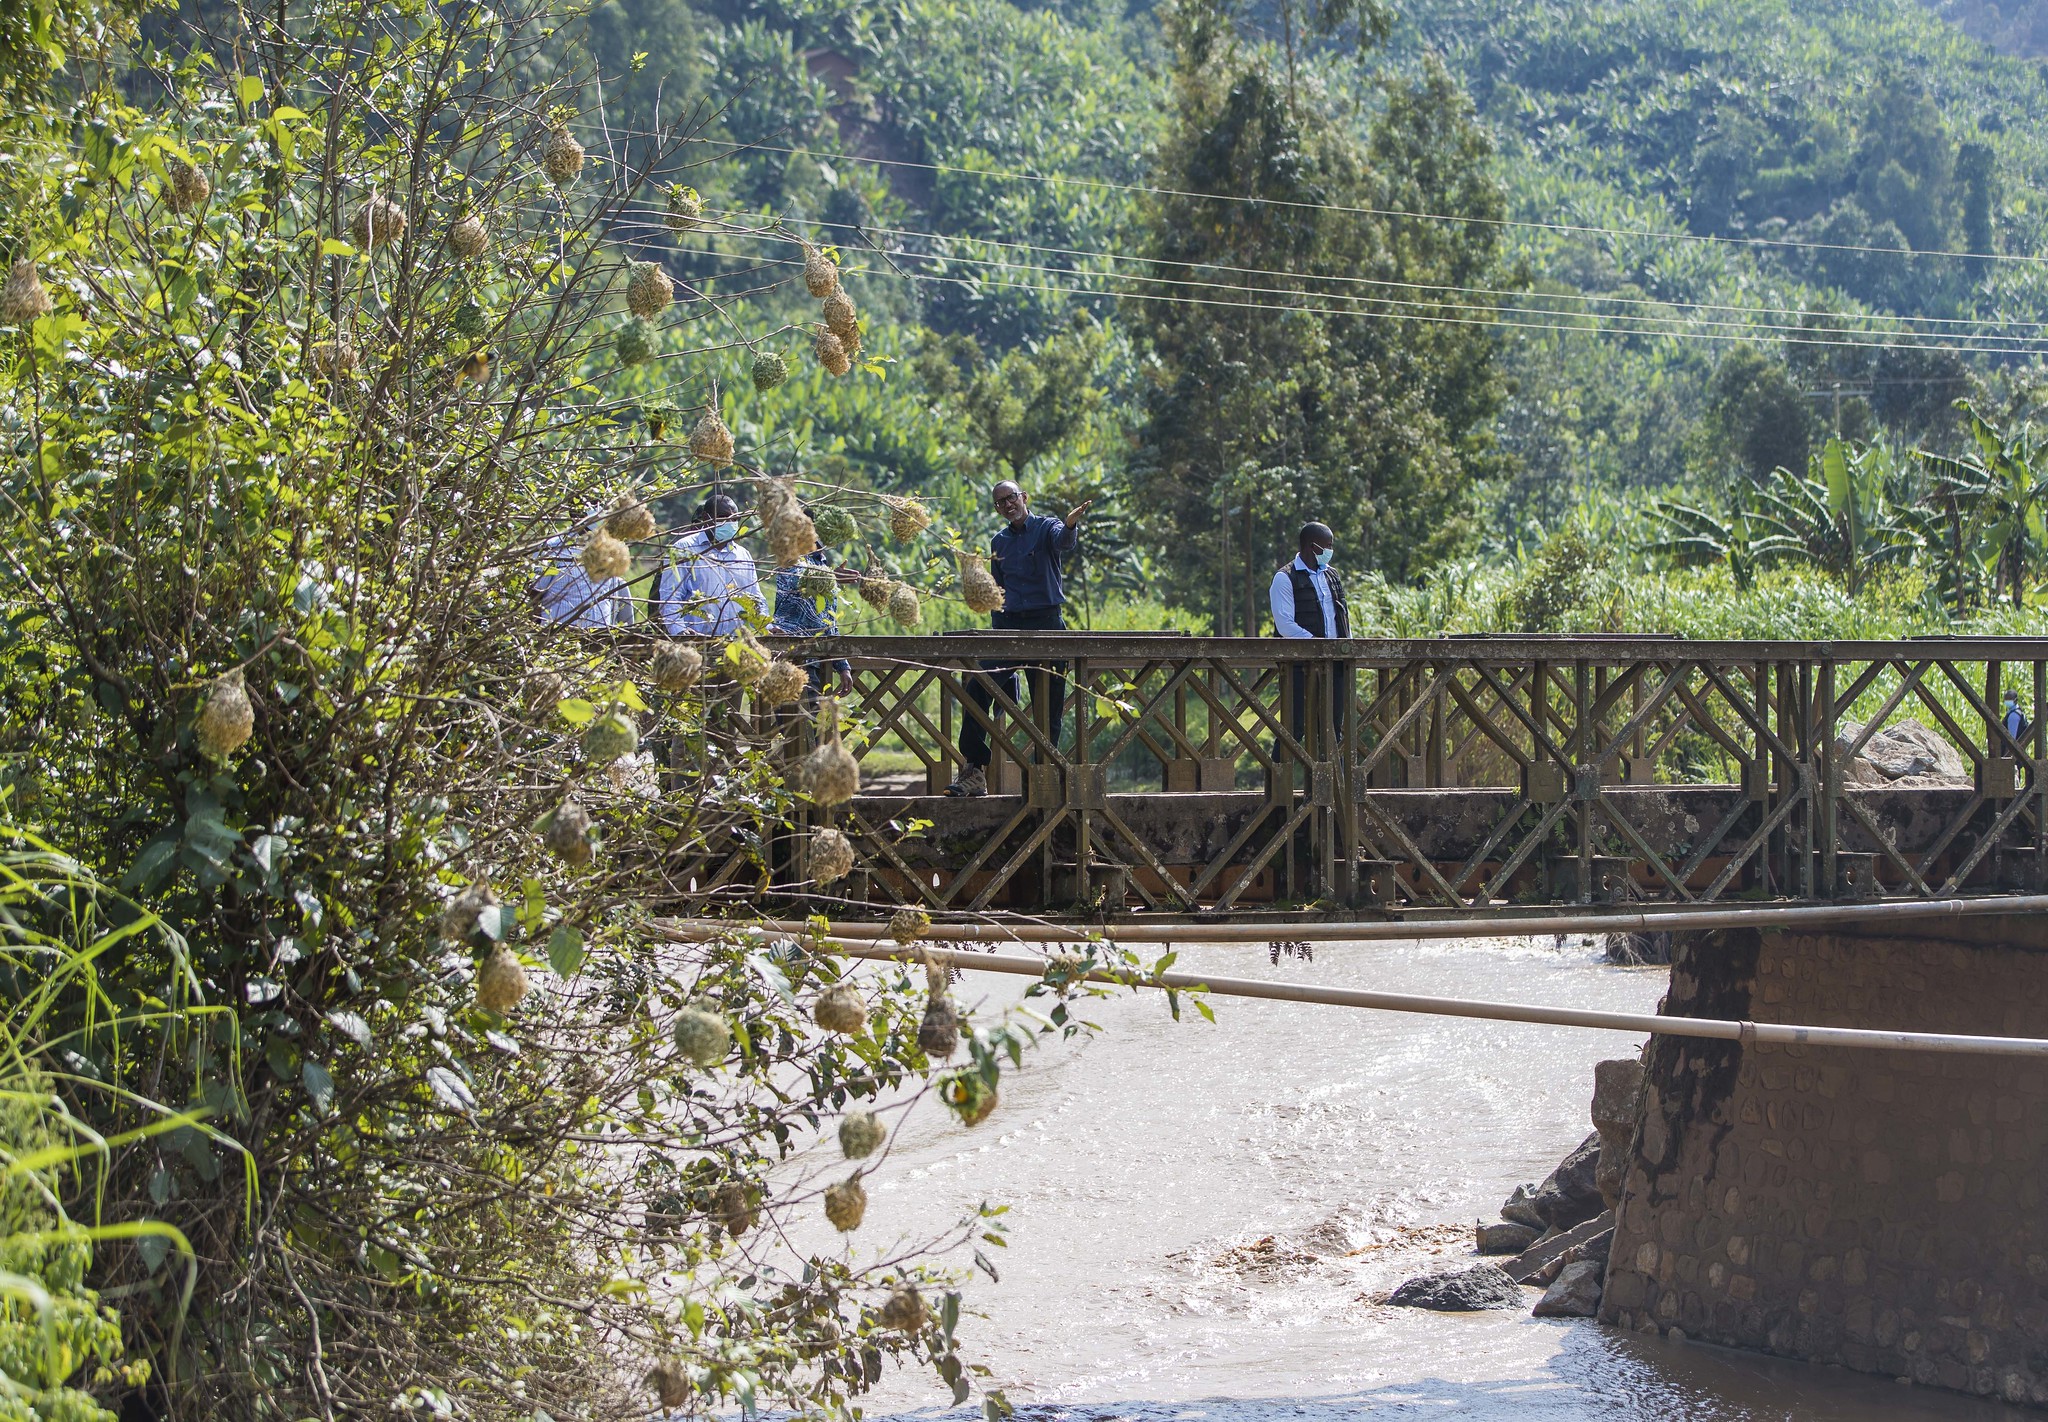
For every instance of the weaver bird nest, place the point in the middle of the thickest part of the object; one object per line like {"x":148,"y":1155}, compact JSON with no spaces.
{"x":630,"y":520}
{"x":23,"y":299}
{"x":840,"y":1008}
{"x":703,"y":1037}
{"x":378,"y":223}
{"x":846,"y":1204}
{"x":831,"y":352}
{"x":649,"y":291}
{"x":829,"y":774}
{"x":610,"y":736}
{"x":467,"y":237}
{"x":978,"y":587}
{"x":821,"y":273}
{"x":769,"y":370}
{"x":781,"y":684}
{"x":676,"y":666}
{"x":685,"y":208}
{"x":711,"y":441}
{"x":831,"y":858}
{"x":907,"y":517}
{"x":562,"y":158}
{"x":746,"y":659}
{"x":566,"y":832}
{"x":500,"y":981}
{"x":905,"y":610}
{"x":635,"y":342}
{"x":188,"y":189}
{"x":604,"y":557}
{"x":226,"y":718}
{"x":861,"y":1134}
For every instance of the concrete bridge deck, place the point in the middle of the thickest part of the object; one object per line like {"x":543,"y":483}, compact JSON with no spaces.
{"x":1227,"y":776}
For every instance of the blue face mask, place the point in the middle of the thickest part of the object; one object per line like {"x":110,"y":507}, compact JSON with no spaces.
{"x":725,"y":532}
{"x":1323,"y":556}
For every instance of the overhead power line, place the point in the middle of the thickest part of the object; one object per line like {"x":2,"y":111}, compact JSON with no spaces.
{"x":1578,"y":229}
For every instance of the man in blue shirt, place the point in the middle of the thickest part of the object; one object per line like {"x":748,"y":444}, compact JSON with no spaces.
{"x":1024,"y":559}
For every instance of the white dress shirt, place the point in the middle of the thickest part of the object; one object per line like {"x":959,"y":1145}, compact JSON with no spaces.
{"x":567,"y":596}
{"x":705,"y":590}
{"x":1282,"y":599}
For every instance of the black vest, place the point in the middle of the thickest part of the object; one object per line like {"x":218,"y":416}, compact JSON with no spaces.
{"x":1308,"y":608}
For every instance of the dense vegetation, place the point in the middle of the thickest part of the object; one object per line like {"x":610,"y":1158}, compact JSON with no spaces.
{"x":324,"y":322}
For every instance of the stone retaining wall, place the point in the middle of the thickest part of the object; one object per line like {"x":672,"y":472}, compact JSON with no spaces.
{"x":1881,"y":1210}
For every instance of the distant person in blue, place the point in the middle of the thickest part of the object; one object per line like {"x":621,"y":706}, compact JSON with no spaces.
{"x":798,"y":615}
{"x":1024,"y":558}
{"x":2016,"y":722}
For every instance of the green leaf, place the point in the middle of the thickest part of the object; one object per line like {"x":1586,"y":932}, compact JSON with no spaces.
{"x":576,"y":711}
{"x":335,"y":247}
{"x":249,"y":89}
{"x":319,"y":1086}
{"x":565,"y":951}
{"x":351,"y":1026}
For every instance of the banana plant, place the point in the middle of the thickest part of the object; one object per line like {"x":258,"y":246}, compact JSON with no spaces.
{"x":1841,"y":515}
{"x":1994,"y":505}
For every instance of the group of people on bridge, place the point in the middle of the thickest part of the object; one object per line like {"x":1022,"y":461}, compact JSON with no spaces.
{"x":709,"y":585}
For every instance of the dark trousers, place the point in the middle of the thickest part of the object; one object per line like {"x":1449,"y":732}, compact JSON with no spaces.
{"x":1297,"y":720}
{"x":1047,"y":681}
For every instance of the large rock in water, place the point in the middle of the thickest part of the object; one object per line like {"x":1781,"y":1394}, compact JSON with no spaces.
{"x":1617,"y":1095}
{"x":1571,"y":1194}
{"x":1902,"y":753}
{"x":1576,"y":1294}
{"x":1460,"y":1290}
{"x":1507,"y":1237}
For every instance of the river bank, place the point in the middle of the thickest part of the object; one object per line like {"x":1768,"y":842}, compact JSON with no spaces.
{"x":1203,"y":1216}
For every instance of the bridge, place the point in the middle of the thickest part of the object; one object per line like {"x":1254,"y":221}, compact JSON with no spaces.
{"x":1205,"y":778}
{"x":1797,"y":812}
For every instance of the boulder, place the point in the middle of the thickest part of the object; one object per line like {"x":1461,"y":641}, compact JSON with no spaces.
{"x":1901,"y":752}
{"x":1569,"y":1195}
{"x":1617,"y":1097}
{"x":1528,"y":1267}
{"x":1520,"y":1209}
{"x":1576,"y":1294}
{"x":1460,"y":1290}
{"x":1507,"y":1237}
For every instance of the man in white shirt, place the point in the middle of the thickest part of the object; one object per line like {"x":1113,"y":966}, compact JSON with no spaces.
{"x":710,"y":582}
{"x":566,"y":594}
{"x":1307,"y":597}
{"x":1307,"y":600}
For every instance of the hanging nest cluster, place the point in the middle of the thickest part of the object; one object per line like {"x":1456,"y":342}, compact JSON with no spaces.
{"x":188,"y":189}
{"x":467,"y":237}
{"x":23,"y":299}
{"x":565,"y":830}
{"x":685,"y":208}
{"x":769,"y":370}
{"x":630,"y":519}
{"x":791,"y":536}
{"x":703,"y":1037}
{"x":838,"y":340}
{"x":500,"y":981}
{"x":861,"y":1134}
{"x":874,"y":590}
{"x":649,"y":290}
{"x":846,"y":1204}
{"x":468,"y":321}
{"x":378,"y":223}
{"x":907,"y":517}
{"x":840,"y":1008}
{"x":226,"y":719}
{"x":635,"y":342}
{"x":978,"y":587}
{"x":711,"y":441}
{"x":562,"y":158}
{"x":908,"y":925}
{"x":604,"y":557}
{"x":781,"y":684}
{"x":829,"y":774}
{"x":610,"y":736}
{"x":831,"y":855}
{"x":938,"y":1032}
{"x":676,"y":666}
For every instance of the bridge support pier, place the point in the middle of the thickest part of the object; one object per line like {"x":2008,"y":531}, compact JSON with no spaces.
{"x":1886,"y":1211}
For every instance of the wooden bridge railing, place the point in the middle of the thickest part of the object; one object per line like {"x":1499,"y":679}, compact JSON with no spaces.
{"x":1206,"y":775}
